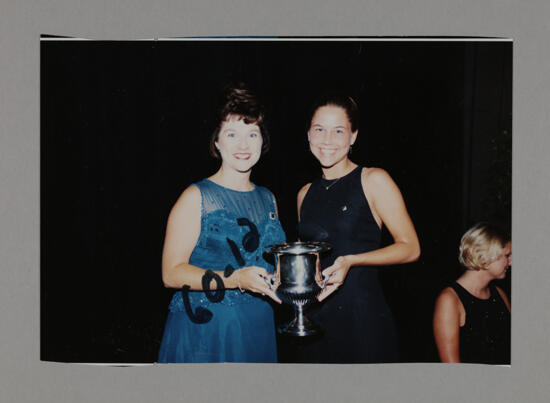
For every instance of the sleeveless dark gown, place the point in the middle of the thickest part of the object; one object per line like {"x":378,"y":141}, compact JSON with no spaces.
{"x":356,"y":320}
{"x":485,"y":336}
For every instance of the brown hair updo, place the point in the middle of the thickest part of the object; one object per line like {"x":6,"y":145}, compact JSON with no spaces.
{"x":240,"y":102}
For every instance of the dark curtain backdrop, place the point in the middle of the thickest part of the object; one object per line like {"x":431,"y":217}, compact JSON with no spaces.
{"x":125,"y":129}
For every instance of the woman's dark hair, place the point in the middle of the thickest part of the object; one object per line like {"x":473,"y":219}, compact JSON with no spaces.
{"x":343,"y":101}
{"x":239,"y":101}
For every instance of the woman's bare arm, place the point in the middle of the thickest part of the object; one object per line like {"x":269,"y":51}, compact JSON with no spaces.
{"x":301,"y":194}
{"x":446,"y":326}
{"x":388,"y":207}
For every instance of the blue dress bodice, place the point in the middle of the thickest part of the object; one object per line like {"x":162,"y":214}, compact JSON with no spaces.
{"x":221,"y":211}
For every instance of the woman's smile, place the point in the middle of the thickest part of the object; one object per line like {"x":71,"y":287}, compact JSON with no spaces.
{"x":327,"y":151}
{"x":242,"y":156}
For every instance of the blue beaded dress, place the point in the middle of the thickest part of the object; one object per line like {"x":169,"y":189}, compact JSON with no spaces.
{"x":231,"y":326}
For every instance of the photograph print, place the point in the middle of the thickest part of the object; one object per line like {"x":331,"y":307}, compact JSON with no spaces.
{"x":276,"y":200}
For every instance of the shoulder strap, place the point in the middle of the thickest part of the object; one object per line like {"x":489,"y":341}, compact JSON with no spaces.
{"x":266,"y":195}
{"x":463,"y":295}
{"x":495,"y":294}
{"x":201,"y":184}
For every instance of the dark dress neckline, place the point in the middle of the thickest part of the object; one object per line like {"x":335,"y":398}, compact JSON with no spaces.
{"x":491,"y":294}
{"x":339,"y":178}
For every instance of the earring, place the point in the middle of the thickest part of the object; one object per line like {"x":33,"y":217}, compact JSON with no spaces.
{"x":349,"y":152}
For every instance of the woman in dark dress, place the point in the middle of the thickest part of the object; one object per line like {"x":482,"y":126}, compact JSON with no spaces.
{"x":472,"y":316}
{"x":347,"y":207}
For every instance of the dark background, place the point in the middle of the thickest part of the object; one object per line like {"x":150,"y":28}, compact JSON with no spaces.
{"x":125,"y":129}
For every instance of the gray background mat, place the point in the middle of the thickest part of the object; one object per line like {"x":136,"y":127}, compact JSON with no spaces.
{"x":23,"y":378}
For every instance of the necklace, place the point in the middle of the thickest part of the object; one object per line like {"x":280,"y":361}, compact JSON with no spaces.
{"x":335,"y":181}
{"x":331,"y":184}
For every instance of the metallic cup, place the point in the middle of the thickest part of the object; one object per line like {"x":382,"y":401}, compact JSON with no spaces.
{"x":298,"y":281}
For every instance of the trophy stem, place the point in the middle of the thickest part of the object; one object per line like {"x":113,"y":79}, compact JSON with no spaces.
{"x":300,"y":325}
{"x":299,"y":314}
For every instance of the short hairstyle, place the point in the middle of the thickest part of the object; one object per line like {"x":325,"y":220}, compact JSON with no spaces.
{"x":481,"y":245}
{"x":343,"y":101}
{"x":241,"y":102}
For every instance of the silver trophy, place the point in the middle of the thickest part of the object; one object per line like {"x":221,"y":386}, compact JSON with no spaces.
{"x":298,"y":281}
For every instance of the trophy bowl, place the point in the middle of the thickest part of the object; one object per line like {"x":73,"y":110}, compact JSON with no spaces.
{"x":298,"y":281}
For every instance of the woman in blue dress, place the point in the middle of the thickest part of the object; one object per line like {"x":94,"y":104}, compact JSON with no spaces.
{"x":213,"y":250}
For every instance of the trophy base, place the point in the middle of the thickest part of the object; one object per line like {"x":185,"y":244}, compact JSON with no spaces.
{"x":300,"y":328}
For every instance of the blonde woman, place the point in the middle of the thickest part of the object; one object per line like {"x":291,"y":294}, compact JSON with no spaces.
{"x":472,"y":316}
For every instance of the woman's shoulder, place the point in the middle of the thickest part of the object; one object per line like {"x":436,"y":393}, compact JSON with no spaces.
{"x":204,"y":184}
{"x":504,"y":297}
{"x":377,"y":183}
{"x":264,"y":191}
{"x":302,"y":193}
{"x":448,"y":298}
{"x":449,"y":310}
{"x":194,"y":190}
{"x":187,"y":205}
{"x":191,"y":195}
{"x":266,"y":195}
{"x":499,"y":290}
{"x":448,"y":292}
{"x":303,"y":190}
{"x":375,"y":176}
